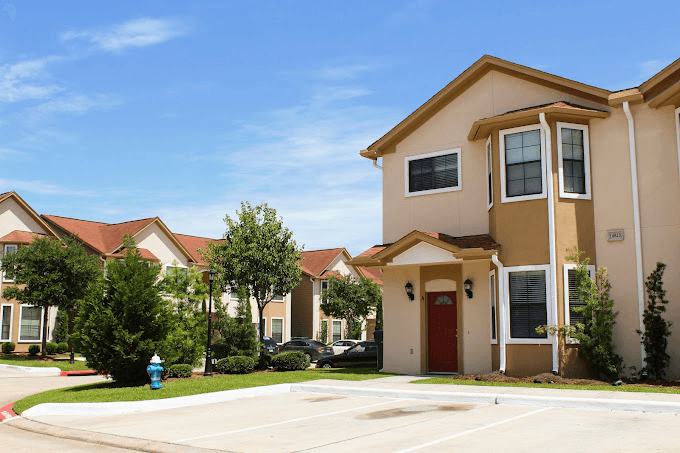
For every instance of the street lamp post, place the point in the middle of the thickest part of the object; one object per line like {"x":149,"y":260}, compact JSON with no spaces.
{"x":208,"y":359}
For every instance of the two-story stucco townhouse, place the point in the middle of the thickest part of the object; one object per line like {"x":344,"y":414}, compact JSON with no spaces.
{"x":488,"y":184}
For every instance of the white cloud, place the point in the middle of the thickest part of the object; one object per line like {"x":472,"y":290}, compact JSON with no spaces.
{"x":21,"y":81}
{"x":345,"y":72}
{"x":39,"y":187}
{"x":74,"y":103}
{"x":9,"y":152}
{"x":134,"y":33}
{"x":412,"y":12}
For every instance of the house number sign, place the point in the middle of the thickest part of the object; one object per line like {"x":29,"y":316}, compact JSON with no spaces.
{"x":615,"y":235}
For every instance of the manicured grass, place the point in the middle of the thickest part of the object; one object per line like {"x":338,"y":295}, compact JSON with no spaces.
{"x":109,"y":391}
{"x":609,"y":388}
{"x":63,"y":365}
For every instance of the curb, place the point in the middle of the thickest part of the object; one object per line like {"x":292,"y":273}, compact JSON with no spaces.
{"x":47,"y":371}
{"x":112,"y":440}
{"x":660,"y":407}
{"x":78,"y":373}
{"x":6,"y":413}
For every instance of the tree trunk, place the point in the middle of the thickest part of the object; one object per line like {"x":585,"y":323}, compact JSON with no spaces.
{"x":260,"y":310}
{"x":44,"y":331}
{"x":71,"y":328}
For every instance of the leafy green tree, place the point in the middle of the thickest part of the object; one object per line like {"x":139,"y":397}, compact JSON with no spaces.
{"x":258,"y":255}
{"x":187,"y":293}
{"x":657,"y":329}
{"x":61,"y":333}
{"x":124,"y":320}
{"x":595,"y":334}
{"x":351,"y":300}
{"x":238,"y":336}
{"x":56,"y":273}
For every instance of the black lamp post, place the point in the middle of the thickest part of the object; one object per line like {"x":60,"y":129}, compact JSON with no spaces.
{"x":208,"y":359}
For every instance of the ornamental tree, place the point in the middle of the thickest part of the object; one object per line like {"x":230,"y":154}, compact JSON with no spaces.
{"x":56,"y":273}
{"x":258,"y":256}
{"x":350,"y":299}
{"x":657,"y":330}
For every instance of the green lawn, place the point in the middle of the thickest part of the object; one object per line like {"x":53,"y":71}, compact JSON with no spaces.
{"x":63,"y":365}
{"x":109,"y":391}
{"x":611,"y":388}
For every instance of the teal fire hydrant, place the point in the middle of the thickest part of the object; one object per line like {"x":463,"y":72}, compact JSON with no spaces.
{"x":155,"y":370}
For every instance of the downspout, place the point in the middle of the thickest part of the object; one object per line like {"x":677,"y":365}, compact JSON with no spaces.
{"x":551,"y":237}
{"x":636,"y":222}
{"x":501,"y":310}
{"x":677,"y":133}
{"x":375,"y":163}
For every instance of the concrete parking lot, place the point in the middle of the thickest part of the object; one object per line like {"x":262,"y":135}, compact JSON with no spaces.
{"x":328,"y":422}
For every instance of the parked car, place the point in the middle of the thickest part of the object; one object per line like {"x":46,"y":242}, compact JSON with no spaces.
{"x":364,"y":354}
{"x":312,"y":348}
{"x":340,"y":346}
{"x":270,"y":346}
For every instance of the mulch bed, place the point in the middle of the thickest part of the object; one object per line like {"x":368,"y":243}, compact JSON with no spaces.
{"x":549,"y":378}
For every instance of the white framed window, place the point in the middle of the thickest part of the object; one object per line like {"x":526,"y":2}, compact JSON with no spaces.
{"x":430,"y":173}
{"x":9,"y":249}
{"x":30,"y":326}
{"x":277,"y":298}
{"x":337,"y":330}
{"x":527,"y":290}
{"x":492,"y":303}
{"x":324,"y":286}
{"x":571,"y":299}
{"x":489,"y":174}
{"x":573,"y":156}
{"x":6,"y":323}
{"x":522,"y":159}
{"x":233,"y":295}
{"x":277,"y":330}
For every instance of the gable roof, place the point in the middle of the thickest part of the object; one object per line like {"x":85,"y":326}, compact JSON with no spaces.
{"x":20,"y":201}
{"x":481,"y":67}
{"x":314,"y":262}
{"x":20,"y":237}
{"x":194,"y":243}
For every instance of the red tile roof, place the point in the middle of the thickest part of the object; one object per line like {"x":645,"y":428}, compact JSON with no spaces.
{"x":483,"y":241}
{"x":103,"y":237}
{"x":145,"y":254}
{"x":193,"y":243}
{"x":314,"y":262}
{"x":20,"y":237}
{"x":328,"y":274}
{"x":373,"y":273}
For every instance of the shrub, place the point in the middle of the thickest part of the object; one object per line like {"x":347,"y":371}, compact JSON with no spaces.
{"x":62,"y":347}
{"x":51,"y":348}
{"x":264,"y":361}
{"x":657,"y":330}
{"x":290,"y":361}
{"x":8,"y":347}
{"x":179,"y":370}
{"x":61,"y":329}
{"x":33,"y":349}
{"x":235,"y":365}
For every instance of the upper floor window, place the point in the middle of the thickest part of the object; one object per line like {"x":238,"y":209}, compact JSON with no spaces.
{"x":522,"y":163}
{"x":489,"y":175}
{"x":277,"y":298}
{"x":433,"y":172}
{"x":324,"y":285}
{"x":9,"y":249}
{"x":574,"y":160}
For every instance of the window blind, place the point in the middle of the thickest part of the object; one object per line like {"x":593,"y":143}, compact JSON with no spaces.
{"x":528,"y":308}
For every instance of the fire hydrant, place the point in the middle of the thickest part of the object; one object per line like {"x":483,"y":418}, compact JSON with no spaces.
{"x":155,"y":370}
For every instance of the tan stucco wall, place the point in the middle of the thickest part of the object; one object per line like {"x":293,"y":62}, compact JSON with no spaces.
{"x":14,"y":217}
{"x":157,"y":242}
{"x":528,"y":359}
{"x":476,"y":326}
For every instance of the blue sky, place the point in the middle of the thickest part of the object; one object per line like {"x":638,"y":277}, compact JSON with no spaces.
{"x":124,"y":110}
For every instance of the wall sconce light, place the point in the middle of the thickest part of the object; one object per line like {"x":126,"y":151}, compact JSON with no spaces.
{"x":467,"y":284}
{"x":409,"y":290}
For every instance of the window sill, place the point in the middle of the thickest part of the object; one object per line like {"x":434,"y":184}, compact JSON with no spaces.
{"x":528,"y":341}
{"x":433,"y":191}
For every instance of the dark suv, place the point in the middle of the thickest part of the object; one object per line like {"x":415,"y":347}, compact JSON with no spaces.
{"x":270,"y":346}
{"x":312,"y":348}
{"x":364,"y":354}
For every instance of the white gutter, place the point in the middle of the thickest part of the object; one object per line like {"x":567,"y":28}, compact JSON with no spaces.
{"x":636,"y":221}
{"x":375,"y":164}
{"x":501,"y":310}
{"x":551,"y":238}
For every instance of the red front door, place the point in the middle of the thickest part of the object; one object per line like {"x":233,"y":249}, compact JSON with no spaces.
{"x":441,"y":329}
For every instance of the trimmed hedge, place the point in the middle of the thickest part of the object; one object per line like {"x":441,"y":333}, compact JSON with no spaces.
{"x":33,"y":349}
{"x":62,"y":347}
{"x":51,"y":348}
{"x":290,"y":361}
{"x":235,"y":365}
{"x":179,"y":370}
{"x":8,"y":347}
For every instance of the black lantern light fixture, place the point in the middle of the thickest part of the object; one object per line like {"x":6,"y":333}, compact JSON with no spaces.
{"x":208,"y":358}
{"x":409,"y":290}
{"x":467,"y":284}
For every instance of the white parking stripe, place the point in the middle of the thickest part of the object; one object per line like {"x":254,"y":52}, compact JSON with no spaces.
{"x":281,"y":423}
{"x":491,"y":425}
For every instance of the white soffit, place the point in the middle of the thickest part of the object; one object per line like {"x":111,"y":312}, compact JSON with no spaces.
{"x":423,"y":253}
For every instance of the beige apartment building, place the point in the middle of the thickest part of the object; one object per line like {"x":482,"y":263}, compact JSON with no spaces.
{"x":485,"y":188}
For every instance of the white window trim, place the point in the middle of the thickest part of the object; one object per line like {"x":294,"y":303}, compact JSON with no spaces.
{"x":283,"y":329}
{"x":341,"y":330}
{"x":506,"y":304}
{"x":492,"y":297}
{"x":489,"y":172}
{"x":21,"y":315}
{"x":283,"y":299}
{"x":586,"y":160}
{"x":501,"y":152}
{"x":321,"y":286}
{"x":11,"y":318}
{"x":565,"y":283}
{"x":445,"y":152}
{"x":6,"y":280}
{"x":229,"y":295}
